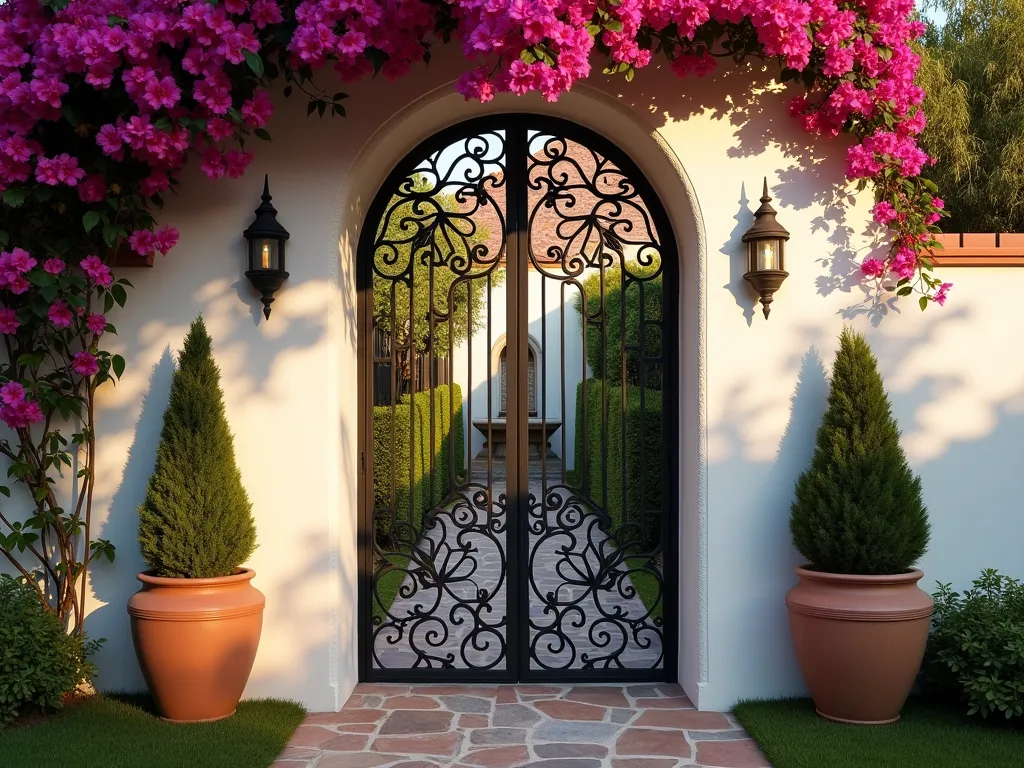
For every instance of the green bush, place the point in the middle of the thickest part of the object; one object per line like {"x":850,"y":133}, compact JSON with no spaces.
{"x":196,"y":520}
{"x":39,"y":661}
{"x":858,"y":507}
{"x":604,"y":355}
{"x":976,"y":648}
{"x":412,"y":503}
{"x":641,"y":458}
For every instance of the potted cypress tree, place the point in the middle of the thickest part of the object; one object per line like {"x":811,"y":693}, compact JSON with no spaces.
{"x":196,"y":622}
{"x":858,"y":619}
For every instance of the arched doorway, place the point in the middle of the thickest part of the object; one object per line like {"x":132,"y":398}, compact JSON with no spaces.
{"x":538,"y":543}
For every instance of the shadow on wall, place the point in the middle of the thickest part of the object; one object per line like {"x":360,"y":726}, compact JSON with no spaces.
{"x":285,"y":667}
{"x":744,"y":98}
{"x":764,"y":558}
{"x":961,"y":434}
{"x":113,"y":586}
{"x":270,"y":374}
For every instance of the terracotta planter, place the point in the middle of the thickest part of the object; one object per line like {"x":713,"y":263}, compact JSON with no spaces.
{"x":196,"y":641}
{"x":860,"y":641}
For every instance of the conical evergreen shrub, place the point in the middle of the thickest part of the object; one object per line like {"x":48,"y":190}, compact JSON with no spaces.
{"x":196,"y":520}
{"x":858,"y":507}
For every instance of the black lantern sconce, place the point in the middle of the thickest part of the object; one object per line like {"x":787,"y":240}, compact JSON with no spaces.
{"x":766,"y":252}
{"x":267,"y":240}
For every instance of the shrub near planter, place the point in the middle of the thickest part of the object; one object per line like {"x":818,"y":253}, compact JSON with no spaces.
{"x":858,"y":619}
{"x":40,"y":663}
{"x":976,"y":648}
{"x":196,"y":622}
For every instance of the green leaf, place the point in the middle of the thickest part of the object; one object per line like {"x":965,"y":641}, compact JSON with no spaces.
{"x":120,"y":294}
{"x":90,"y":220}
{"x":261,"y":133}
{"x":923,"y":303}
{"x":14,"y":197}
{"x":30,"y":359}
{"x":118,"y":364}
{"x":255,"y":62}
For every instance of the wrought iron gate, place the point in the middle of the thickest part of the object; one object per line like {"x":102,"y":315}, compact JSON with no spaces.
{"x":518,"y":400}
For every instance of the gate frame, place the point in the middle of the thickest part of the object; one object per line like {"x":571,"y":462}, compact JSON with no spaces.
{"x":517,"y":661}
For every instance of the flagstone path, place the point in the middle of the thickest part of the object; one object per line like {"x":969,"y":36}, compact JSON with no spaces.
{"x":519,"y":726}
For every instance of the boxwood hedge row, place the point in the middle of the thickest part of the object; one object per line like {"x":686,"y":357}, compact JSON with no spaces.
{"x":391,"y":461}
{"x":606,"y":463}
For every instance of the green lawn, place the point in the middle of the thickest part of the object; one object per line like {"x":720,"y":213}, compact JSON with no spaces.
{"x":927,"y":736}
{"x":388,"y":585}
{"x":121,"y":732}
{"x":647,"y":586}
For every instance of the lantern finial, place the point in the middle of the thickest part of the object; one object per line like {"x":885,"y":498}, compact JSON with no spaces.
{"x":267,"y":198}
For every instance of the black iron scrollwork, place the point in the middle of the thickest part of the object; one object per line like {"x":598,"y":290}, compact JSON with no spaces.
{"x":588,"y":218}
{"x":439,"y":563}
{"x":476,"y":570}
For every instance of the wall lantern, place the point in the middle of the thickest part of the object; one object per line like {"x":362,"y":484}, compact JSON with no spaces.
{"x":267,"y":240}
{"x":766,"y":252}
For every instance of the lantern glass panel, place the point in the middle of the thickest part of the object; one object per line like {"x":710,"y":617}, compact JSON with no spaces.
{"x":266,"y":253}
{"x":769,"y":254}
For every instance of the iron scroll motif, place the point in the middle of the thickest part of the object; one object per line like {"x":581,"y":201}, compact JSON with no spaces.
{"x":447,"y":611}
{"x":586,"y":215}
{"x":526,"y":545}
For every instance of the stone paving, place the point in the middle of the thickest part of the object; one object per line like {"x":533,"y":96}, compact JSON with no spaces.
{"x":519,"y":726}
{"x":570,"y":565}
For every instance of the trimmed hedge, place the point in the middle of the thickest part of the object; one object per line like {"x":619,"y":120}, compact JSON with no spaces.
{"x":604,"y":355}
{"x":412,"y":504}
{"x":642,"y":459}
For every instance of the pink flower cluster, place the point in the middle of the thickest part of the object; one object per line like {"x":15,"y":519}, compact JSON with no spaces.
{"x":16,"y":409}
{"x":13,"y":266}
{"x":858,"y":51}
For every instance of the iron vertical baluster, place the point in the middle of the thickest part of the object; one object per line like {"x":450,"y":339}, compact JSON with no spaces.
{"x":394,"y":409}
{"x":490,"y":416}
{"x":517,"y":485}
{"x":544,"y":392}
{"x":412,"y":391}
{"x":565,"y":415}
{"x":584,"y":462}
{"x":604,"y":390}
{"x":467,"y":440}
{"x":431,"y":359}
{"x":642,"y":426}
{"x":623,"y":492}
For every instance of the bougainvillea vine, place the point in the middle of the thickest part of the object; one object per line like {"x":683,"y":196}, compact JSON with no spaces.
{"x":102,"y":102}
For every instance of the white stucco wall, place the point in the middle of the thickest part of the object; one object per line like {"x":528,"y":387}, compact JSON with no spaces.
{"x":752,"y":391}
